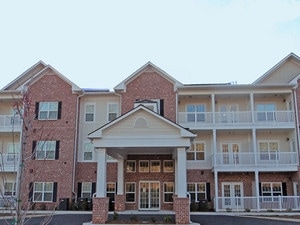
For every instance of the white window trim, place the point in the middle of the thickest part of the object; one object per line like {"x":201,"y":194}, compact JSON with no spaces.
{"x":147,"y":171}
{"x":272,"y":197}
{"x":269,"y":151}
{"x":43,"y":192}
{"x":48,"y":111}
{"x":85,"y":112}
{"x":45,"y":152}
{"x":129,"y":192}
{"x":195,"y":152}
{"x":134,"y":166}
{"x":196,"y":189}
{"x":165,"y":167}
{"x":83,"y":151}
{"x":86,"y":192}
{"x":167,"y":192}
{"x":150,"y":165}
{"x":108,"y":112}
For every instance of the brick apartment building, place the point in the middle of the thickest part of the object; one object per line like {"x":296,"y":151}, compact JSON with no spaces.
{"x":153,"y":143}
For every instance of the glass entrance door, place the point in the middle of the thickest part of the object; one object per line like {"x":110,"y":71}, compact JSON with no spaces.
{"x":149,"y":195}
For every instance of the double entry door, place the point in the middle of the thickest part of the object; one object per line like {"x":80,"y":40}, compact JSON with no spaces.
{"x":149,"y":195}
{"x":232,"y":195}
{"x":230,"y":153}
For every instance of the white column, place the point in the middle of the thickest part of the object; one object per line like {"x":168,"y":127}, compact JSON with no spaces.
{"x":214,"y":145}
{"x":101,"y":172}
{"x":120,"y":189}
{"x":252,"y":108}
{"x":216,"y":192}
{"x":257,"y":189}
{"x":176,"y":176}
{"x":181,"y":173}
{"x":254,"y":144}
{"x":213,"y":108}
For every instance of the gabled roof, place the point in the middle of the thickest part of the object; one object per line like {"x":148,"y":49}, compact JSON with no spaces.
{"x":292,"y":56}
{"x":33,"y":74}
{"x":122,"y":86}
{"x":98,"y":132}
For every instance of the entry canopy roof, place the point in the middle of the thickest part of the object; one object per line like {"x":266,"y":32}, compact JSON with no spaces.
{"x":141,"y":131}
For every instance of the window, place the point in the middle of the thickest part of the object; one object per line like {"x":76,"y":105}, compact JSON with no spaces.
{"x":86,"y":189}
{"x":154,"y":166}
{"x":43,"y":191}
{"x":112,"y":111}
{"x":271,"y":189}
{"x":268,"y":150}
{"x":196,"y":113}
{"x":168,"y":166}
{"x":47,"y":150}
{"x":266,"y":112}
{"x":155,"y":105}
{"x":130,"y":192}
{"x":197,"y":191}
{"x":144,"y":166}
{"x":196,"y":151}
{"x":130,"y":166}
{"x":110,"y":187}
{"x":13,"y":150}
{"x":168,"y":191}
{"x":88,"y":151}
{"x":89,"y":112}
{"x":48,"y":110}
{"x":10,"y":189}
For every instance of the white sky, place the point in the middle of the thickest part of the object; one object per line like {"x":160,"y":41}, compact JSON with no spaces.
{"x":97,"y":43}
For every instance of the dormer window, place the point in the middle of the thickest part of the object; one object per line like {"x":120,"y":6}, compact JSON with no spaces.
{"x":153,"y":104}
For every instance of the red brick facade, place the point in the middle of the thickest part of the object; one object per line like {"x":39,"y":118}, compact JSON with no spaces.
{"x":51,"y":88}
{"x":150,"y":85}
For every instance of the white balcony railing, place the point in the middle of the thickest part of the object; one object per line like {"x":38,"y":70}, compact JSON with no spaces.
{"x":10,"y":121}
{"x":9,"y":162}
{"x":263,"y":203}
{"x":263,"y":159}
{"x":192,"y":119}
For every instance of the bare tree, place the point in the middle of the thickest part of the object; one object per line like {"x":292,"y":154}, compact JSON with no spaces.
{"x":16,"y":206}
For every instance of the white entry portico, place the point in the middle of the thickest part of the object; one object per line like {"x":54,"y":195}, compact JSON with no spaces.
{"x":141,"y":132}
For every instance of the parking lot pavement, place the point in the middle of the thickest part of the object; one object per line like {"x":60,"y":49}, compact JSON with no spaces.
{"x":204,"y":219}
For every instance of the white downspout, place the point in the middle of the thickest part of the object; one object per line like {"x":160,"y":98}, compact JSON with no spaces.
{"x":75,"y":146}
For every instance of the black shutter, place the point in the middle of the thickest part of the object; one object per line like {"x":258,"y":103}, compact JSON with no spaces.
{"x":79,"y":190}
{"x":33,"y":149}
{"x":259,"y":187}
{"x":93,"y":188}
{"x":59,"y":111}
{"x":37,"y":105}
{"x":57,"y":150}
{"x":161,"y":107}
{"x":208,"y":192}
{"x":284,"y":191}
{"x":30,"y":195}
{"x":54,"y":192}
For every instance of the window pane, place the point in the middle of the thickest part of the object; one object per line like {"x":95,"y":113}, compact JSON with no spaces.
{"x":48,"y":197}
{"x":48,"y":187}
{"x":130,"y":166}
{"x":144,"y":166}
{"x":155,"y":166}
{"x":168,"y":166}
{"x":38,"y":187}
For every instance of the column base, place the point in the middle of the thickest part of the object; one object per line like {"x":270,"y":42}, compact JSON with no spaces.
{"x":182,"y":210}
{"x":119,"y":202}
{"x":100,"y":210}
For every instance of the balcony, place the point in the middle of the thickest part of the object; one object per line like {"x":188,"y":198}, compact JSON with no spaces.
{"x":10,"y":122}
{"x":264,"y":161}
{"x":9,"y":162}
{"x":263,"y":203}
{"x":266,"y":118}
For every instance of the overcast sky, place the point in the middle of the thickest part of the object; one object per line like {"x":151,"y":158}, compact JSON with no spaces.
{"x":98,"y":44}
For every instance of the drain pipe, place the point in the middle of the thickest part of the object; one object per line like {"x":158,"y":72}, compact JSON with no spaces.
{"x":75,"y":147}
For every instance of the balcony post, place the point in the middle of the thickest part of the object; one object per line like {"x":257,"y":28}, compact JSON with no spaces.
{"x":254,"y":146}
{"x":257,"y":190}
{"x":252,"y":108}
{"x":216,"y":191}
{"x":214,"y":147}
{"x":213,"y":108}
